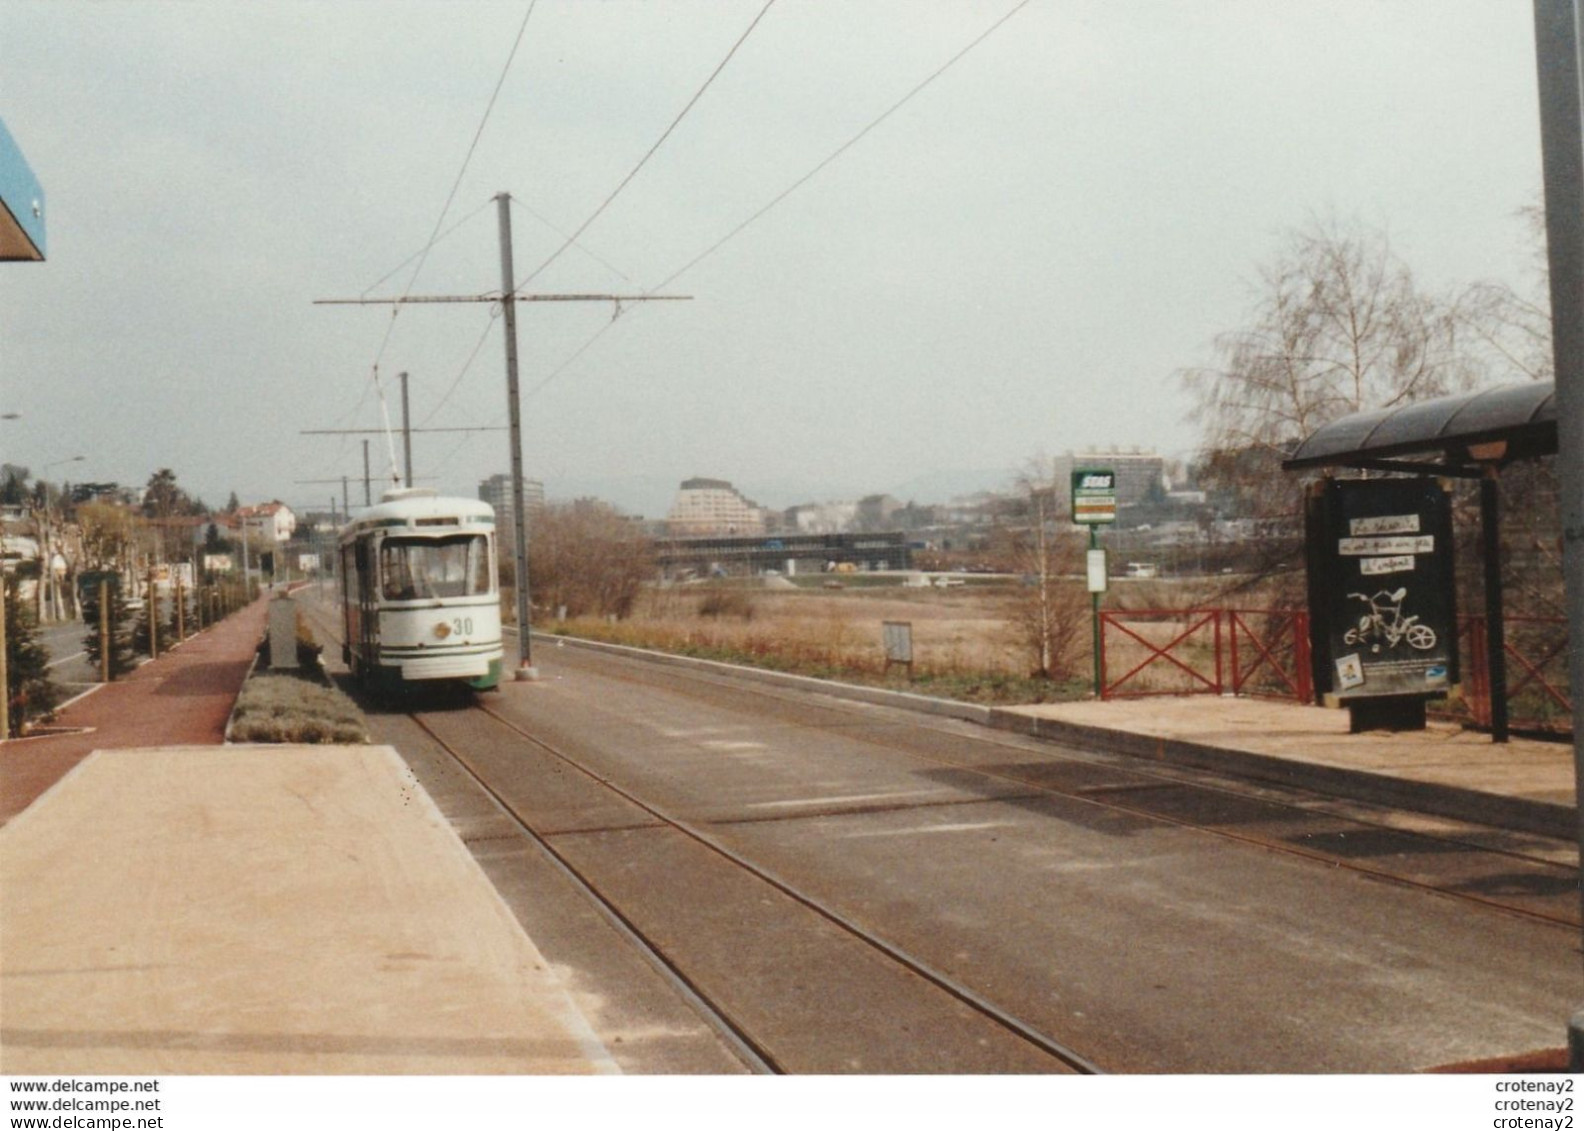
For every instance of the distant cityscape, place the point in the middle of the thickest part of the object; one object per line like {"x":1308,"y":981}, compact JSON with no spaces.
{"x":1161,"y":518}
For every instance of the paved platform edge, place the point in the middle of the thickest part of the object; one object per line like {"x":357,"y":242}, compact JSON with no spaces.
{"x":591,"y":1047}
{"x":1519,"y":814}
{"x":1515,"y":813}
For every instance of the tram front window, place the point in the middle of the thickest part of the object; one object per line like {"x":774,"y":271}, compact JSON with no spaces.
{"x":413,"y":569}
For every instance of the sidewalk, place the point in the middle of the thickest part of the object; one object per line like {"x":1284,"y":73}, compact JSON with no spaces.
{"x":177,"y":906}
{"x":183,"y":698}
{"x":269,"y":910}
{"x":1525,"y":784}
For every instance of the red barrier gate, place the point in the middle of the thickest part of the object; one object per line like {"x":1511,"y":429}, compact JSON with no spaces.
{"x":1265,"y":652}
{"x":1270,"y":653}
{"x":1125,"y":641}
{"x":1537,"y":678}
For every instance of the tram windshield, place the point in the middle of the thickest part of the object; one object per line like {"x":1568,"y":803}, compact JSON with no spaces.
{"x":414,"y":569}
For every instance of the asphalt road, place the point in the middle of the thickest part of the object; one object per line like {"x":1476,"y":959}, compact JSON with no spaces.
{"x":68,"y":662}
{"x":1146,"y":945}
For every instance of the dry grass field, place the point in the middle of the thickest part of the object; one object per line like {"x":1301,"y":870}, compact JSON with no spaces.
{"x":965,"y":641}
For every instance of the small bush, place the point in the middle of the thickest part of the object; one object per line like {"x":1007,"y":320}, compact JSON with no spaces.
{"x":282,"y":708}
{"x":719,"y":603}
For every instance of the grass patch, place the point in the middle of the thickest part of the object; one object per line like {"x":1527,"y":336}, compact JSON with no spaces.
{"x":834,"y":651}
{"x":283,"y":708}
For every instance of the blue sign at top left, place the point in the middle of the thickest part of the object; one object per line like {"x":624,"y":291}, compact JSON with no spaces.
{"x":21,"y":204}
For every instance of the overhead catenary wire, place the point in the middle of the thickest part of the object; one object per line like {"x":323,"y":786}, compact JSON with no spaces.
{"x":428,"y":246}
{"x":570,"y":241}
{"x":434,"y":236}
{"x":841,"y":149}
{"x":494,"y":313}
{"x":462,"y":171}
{"x":789,"y":190}
{"x":661,"y":140}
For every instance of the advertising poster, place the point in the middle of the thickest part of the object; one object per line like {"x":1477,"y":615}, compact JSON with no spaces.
{"x":1384,"y":589}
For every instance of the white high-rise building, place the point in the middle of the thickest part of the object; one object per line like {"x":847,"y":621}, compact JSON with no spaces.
{"x":713,"y":506}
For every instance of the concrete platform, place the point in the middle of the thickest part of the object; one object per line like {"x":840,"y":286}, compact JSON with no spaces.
{"x":264,"y":909}
{"x":1524,"y":784}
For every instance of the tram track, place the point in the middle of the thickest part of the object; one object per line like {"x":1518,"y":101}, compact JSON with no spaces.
{"x":754,"y":1050}
{"x":1540,"y":873}
{"x":522,"y":751}
{"x":754,"y":1055}
{"x":1542,"y":890}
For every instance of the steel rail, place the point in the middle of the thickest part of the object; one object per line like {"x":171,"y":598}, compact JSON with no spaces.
{"x":917,"y":966}
{"x":759,"y":1059}
{"x":1267,"y":844}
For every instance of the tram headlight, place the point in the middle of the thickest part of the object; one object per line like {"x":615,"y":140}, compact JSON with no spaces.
{"x":442,"y":630}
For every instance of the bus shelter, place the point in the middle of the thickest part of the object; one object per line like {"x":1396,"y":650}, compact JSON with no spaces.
{"x":1469,"y":436}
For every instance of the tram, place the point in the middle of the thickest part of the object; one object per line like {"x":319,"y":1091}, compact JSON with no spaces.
{"x":419,"y":592}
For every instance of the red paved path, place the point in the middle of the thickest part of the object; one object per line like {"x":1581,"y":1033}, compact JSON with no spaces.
{"x":181,"y":699}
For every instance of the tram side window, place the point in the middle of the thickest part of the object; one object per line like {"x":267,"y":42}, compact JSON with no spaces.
{"x":419,"y":568}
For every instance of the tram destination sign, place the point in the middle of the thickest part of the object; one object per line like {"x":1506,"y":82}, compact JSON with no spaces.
{"x":1093,"y":496}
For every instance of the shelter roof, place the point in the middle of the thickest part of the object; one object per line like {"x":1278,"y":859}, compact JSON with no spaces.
{"x":1492,"y":426}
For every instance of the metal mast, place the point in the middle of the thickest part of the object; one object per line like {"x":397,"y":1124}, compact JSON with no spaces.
{"x":525,"y":668}
{"x":508,"y":298}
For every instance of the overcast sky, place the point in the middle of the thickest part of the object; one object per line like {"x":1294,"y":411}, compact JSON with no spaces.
{"x":1014,"y":263}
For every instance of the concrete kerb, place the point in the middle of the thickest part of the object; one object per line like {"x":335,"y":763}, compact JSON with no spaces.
{"x":1515,"y":813}
{"x":878,"y":696}
{"x":231,"y":718}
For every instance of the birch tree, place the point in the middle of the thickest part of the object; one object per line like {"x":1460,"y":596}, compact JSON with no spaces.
{"x":1339,"y":327}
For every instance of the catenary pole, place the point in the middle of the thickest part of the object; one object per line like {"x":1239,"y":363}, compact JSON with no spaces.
{"x":406,"y":431}
{"x":1557,"y":55}
{"x":525,"y":668}
{"x":508,"y":298}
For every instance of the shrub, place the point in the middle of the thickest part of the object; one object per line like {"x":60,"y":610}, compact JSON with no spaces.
{"x":283,"y":708}
{"x":724,"y":602}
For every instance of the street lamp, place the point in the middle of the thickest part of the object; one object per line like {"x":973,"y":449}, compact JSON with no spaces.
{"x":50,"y":604}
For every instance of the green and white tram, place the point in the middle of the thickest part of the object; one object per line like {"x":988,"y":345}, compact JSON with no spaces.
{"x":419,"y":591}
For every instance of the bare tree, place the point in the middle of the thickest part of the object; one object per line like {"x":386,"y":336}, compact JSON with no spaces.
{"x":1340,"y":328}
{"x":1049,"y":616}
{"x":588,"y":558}
{"x":1506,"y":331}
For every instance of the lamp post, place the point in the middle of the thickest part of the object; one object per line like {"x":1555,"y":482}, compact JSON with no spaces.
{"x":49,"y":595}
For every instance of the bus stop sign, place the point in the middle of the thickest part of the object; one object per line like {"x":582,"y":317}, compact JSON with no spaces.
{"x":1093,"y":495}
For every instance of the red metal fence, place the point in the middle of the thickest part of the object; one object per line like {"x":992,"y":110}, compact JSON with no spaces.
{"x":1265,"y":653}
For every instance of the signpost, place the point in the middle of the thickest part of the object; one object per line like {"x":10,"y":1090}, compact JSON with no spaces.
{"x":1094,"y":505}
{"x":898,"y":639}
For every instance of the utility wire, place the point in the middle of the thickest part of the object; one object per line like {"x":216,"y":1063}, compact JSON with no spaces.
{"x":642,"y":161}
{"x":425,"y":249}
{"x":434,"y":234}
{"x":799,"y":183}
{"x":843,"y":148}
{"x":569,"y":242}
{"x":472,"y":148}
{"x":494,"y":313}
